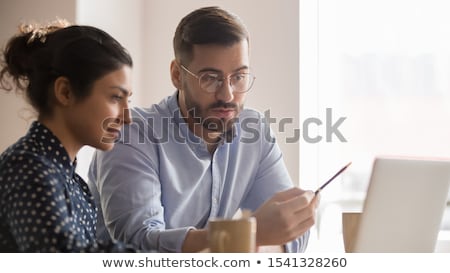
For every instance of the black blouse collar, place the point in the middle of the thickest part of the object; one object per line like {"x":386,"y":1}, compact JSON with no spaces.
{"x":51,"y":147}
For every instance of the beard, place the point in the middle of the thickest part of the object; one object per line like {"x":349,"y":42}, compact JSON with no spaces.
{"x":200,"y":115}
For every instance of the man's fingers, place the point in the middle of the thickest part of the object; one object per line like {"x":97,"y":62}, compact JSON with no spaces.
{"x":298,"y":202}
{"x":288,"y":194}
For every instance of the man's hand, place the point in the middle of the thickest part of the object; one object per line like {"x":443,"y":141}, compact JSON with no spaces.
{"x":285,"y":216}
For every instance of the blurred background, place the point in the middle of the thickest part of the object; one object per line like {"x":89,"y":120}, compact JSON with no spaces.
{"x":385,"y":66}
{"x":381,"y":65}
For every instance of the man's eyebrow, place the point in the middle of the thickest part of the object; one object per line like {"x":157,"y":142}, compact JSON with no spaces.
{"x":241,"y":68}
{"x":210,"y":69}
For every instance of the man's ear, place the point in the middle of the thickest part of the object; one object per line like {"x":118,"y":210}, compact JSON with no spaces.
{"x":175,"y":74}
{"x":63,"y":91}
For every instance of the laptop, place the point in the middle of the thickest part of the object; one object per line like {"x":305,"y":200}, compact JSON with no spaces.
{"x":404,"y":205}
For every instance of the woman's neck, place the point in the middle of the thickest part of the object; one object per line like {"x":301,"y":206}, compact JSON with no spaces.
{"x":64,"y":135}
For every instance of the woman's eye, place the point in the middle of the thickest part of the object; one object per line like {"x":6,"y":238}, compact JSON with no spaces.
{"x":117,"y":97}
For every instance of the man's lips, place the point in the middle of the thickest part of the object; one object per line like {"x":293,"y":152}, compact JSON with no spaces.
{"x":223,"y":112}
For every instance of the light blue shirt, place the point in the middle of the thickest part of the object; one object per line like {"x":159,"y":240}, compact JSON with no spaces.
{"x":160,"y":181}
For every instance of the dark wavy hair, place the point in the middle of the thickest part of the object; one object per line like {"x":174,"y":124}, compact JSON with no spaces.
{"x":82,"y":54}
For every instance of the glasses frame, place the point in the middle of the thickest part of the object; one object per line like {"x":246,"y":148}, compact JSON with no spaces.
{"x":252,"y":77}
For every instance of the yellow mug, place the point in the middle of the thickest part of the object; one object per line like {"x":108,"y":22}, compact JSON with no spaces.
{"x":350,"y":223}
{"x":232,"y":235}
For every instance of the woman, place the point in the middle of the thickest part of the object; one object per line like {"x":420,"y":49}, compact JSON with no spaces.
{"x":77,"y":78}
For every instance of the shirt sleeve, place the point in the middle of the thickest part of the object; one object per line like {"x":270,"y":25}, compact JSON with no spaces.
{"x":129,"y":188}
{"x":272,"y":177}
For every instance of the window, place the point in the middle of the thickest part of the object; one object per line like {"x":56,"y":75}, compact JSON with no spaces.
{"x":384,"y":66}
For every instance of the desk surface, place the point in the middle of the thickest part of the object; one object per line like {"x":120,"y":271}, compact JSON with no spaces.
{"x":328,"y":244}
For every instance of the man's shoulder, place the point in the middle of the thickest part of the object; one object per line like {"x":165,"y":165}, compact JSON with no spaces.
{"x":161,"y":109}
{"x":148,"y":123}
{"x":252,"y":118}
{"x":254,"y":127}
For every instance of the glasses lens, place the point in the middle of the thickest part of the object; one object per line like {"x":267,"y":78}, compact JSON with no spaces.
{"x":210,"y":82}
{"x":240,"y":82}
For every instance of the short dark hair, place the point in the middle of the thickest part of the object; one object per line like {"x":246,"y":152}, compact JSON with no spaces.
{"x":82,"y":54}
{"x":209,"y":25}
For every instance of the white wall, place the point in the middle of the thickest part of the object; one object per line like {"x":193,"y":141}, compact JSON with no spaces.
{"x":146,"y":29}
{"x":15,"y":114}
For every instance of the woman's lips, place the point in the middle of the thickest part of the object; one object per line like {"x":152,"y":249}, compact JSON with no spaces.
{"x":113,"y":132}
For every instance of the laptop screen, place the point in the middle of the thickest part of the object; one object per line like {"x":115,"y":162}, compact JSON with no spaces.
{"x":404,"y":205}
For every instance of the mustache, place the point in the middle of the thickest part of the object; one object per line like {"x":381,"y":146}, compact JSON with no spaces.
{"x":222,"y":104}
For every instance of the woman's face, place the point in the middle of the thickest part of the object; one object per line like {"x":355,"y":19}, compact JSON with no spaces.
{"x":97,"y":119}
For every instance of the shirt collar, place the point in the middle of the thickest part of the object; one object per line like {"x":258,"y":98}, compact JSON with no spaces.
{"x":51,"y":147}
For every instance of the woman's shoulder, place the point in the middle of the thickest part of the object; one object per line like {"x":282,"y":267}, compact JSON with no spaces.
{"x":25,"y":161}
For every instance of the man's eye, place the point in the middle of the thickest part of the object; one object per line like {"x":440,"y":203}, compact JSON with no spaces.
{"x":210,"y":77}
{"x":240,"y":78}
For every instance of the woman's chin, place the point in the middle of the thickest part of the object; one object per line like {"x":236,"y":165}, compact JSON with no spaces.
{"x":105,"y":144}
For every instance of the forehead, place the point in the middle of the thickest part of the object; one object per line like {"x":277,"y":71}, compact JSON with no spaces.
{"x":120,"y":79}
{"x":120,"y":76}
{"x":219,"y":57}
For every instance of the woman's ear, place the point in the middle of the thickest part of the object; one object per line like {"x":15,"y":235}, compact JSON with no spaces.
{"x":63,"y":91}
{"x":175,"y":74}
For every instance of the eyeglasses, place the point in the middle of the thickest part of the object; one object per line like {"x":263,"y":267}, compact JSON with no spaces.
{"x":211,"y":82}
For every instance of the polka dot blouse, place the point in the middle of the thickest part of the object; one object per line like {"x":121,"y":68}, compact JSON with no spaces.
{"x":44,"y":205}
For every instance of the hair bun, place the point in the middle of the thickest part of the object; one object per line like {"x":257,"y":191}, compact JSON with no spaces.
{"x":40,"y":32}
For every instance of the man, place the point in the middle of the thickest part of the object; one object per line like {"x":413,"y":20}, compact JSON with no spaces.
{"x":199,"y":154}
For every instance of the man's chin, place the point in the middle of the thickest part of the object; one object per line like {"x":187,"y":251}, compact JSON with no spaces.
{"x":219,"y":125}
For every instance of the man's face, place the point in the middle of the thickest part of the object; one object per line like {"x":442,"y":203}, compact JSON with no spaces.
{"x":216,"y":111}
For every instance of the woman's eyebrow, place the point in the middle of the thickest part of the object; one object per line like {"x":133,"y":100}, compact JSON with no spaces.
{"x":123,"y":90}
